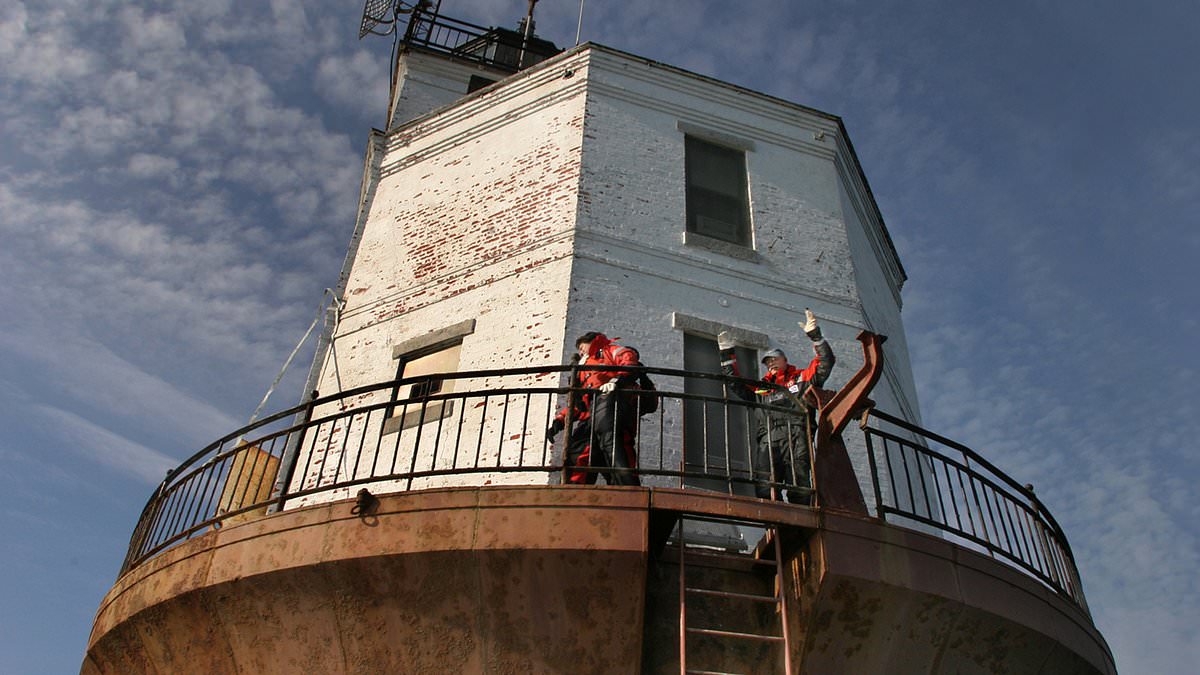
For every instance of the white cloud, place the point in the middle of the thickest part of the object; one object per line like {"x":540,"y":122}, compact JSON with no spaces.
{"x":354,"y":81}
{"x":38,"y":47}
{"x":113,"y":282}
{"x":90,"y":375}
{"x":145,"y":165}
{"x":96,"y":443}
{"x":151,"y":33}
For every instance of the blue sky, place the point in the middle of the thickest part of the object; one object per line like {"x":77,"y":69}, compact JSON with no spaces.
{"x":178,"y":184}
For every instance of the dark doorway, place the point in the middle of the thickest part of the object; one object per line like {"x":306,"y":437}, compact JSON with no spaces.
{"x":717,"y":437}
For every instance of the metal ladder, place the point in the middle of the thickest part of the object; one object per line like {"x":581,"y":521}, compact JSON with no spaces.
{"x":750,"y":561}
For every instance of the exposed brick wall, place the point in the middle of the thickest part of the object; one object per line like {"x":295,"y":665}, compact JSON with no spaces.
{"x":472,"y":217}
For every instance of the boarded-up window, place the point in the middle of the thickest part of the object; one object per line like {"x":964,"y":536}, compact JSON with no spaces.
{"x":717,"y":197}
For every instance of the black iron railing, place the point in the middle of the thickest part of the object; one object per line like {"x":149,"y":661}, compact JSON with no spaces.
{"x":479,"y":428}
{"x":925,"y":479}
{"x":495,"y":47}
{"x":489,"y":427}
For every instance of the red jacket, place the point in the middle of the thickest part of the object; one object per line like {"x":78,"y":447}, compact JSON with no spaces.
{"x":794,"y":379}
{"x":793,"y":376}
{"x":603,"y":352}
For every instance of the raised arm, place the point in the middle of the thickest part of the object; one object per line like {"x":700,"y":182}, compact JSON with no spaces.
{"x":822,"y":364}
{"x":728,"y":351}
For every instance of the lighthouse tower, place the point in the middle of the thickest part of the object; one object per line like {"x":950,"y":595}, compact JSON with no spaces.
{"x":610,"y":193}
{"x":413,"y":516}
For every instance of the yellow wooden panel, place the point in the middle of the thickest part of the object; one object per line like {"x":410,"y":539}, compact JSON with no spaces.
{"x":251,"y":476}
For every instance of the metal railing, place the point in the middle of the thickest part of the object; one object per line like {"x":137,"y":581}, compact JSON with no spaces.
{"x":489,"y":427}
{"x":466,"y":428}
{"x":495,"y":47}
{"x":923,"y":478}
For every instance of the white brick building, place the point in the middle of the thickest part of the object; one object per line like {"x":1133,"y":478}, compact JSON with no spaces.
{"x":499,"y":225}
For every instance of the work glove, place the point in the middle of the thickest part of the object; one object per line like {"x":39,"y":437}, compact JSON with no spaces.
{"x":555,"y":427}
{"x":608,"y":387}
{"x":811,"y":329}
{"x":725,"y":340}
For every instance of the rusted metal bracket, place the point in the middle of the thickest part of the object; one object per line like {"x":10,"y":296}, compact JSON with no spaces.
{"x":834,"y":478}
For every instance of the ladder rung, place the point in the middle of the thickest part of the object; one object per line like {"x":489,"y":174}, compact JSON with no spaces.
{"x":731,"y":594}
{"x":718,"y":520}
{"x":741,"y":563}
{"x":732,"y":557}
{"x":731,"y":634}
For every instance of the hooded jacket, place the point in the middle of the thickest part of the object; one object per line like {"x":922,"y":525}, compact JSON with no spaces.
{"x":602,"y":352}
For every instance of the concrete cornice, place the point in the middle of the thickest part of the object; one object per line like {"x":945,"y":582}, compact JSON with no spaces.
{"x":711,"y":88}
{"x":811,"y":129}
{"x":872,"y":225}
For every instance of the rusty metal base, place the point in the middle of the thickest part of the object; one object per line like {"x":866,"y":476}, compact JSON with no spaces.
{"x":554,"y":580}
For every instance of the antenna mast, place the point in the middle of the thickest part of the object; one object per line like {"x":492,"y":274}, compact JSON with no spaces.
{"x":579,"y":26}
{"x":527,"y":35}
{"x":387,"y":13}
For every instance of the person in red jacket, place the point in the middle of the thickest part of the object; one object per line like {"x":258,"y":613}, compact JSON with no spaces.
{"x":782,"y":452}
{"x":607,"y":420}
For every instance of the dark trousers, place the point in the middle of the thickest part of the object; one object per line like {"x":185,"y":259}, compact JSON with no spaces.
{"x":614,"y":433}
{"x":782,"y":456}
{"x":579,"y":455}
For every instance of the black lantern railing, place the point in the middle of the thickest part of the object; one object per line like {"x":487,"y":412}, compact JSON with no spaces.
{"x":494,"y":47}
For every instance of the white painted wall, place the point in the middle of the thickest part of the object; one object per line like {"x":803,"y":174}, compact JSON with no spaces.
{"x":634,"y":268}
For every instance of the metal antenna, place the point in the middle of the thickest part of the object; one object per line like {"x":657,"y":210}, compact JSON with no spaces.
{"x":528,"y":33}
{"x":579,"y":26}
{"x":386,"y":13}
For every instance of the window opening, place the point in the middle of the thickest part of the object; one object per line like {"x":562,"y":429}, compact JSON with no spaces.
{"x":432,"y":361}
{"x":718,"y":204}
{"x":477,"y":82}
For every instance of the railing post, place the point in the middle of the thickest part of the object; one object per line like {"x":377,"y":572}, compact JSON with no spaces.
{"x":287,"y":465}
{"x":874,"y":466}
{"x":569,"y":419}
{"x":411,"y":29}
